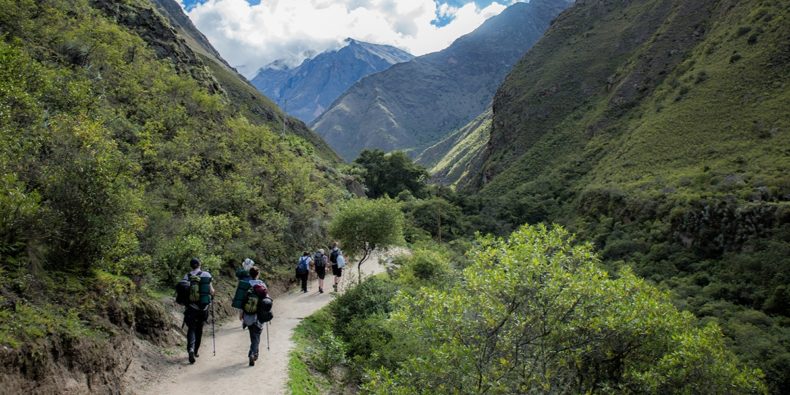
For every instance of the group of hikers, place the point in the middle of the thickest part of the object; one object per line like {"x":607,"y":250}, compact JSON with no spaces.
{"x":317,"y":263}
{"x":196,"y":292}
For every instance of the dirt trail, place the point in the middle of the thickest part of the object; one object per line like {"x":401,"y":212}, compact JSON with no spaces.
{"x":228,"y":372}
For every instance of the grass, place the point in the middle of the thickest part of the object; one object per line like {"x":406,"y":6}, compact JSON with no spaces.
{"x":302,"y":380}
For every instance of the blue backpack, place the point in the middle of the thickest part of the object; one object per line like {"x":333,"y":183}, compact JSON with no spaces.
{"x":302,"y":266}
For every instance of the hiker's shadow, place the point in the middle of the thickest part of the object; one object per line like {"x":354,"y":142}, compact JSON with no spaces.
{"x":230,"y":370}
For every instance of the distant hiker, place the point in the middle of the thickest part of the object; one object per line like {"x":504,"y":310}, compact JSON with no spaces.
{"x":243,"y":274}
{"x":303,"y":269}
{"x":319,"y":261}
{"x":201,"y":292}
{"x":256,"y":312}
{"x":337,"y":270}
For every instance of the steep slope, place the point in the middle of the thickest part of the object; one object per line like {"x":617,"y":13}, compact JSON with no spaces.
{"x":243,"y":95}
{"x":311,"y":87}
{"x":660,"y":129}
{"x":414,"y":104}
{"x":461,"y":152}
{"x":123,"y":153}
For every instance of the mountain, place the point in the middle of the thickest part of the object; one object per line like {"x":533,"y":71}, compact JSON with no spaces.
{"x":245,"y":97}
{"x":128,"y":146}
{"x":307,"y":90}
{"x":660,"y":130}
{"x":414,"y":104}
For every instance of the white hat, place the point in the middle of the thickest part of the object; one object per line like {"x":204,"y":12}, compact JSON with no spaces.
{"x":248,"y":264}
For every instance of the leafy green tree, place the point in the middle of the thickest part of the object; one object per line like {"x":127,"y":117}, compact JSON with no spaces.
{"x":536,"y":313}
{"x":362,"y":225}
{"x":388,"y":174}
{"x":439,"y":217}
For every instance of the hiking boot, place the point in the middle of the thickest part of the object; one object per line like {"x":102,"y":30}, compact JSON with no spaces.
{"x":255,"y":357}
{"x":335,"y":287}
{"x":320,"y":290}
{"x":191,"y":357}
{"x":252,"y":361}
{"x":197,"y":355}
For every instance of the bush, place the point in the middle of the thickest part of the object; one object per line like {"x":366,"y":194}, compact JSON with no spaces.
{"x":536,"y":313}
{"x":329,"y":351}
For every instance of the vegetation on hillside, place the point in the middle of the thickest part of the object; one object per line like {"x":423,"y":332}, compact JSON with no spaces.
{"x":117,"y":166}
{"x":533,"y":312}
{"x":658,"y":130}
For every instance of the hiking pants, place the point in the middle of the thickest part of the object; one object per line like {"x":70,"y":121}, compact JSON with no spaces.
{"x":194,"y":320}
{"x":255,"y":339}
{"x":303,"y":278}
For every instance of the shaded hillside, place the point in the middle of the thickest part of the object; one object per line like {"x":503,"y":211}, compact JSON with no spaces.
{"x":311,"y":87}
{"x":415,"y":104}
{"x":123,"y":153}
{"x":660,"y":130}
{"x":244,"y":97}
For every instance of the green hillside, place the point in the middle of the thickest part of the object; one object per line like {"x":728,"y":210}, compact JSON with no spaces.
{"x":458,"y":154}
{"x":660,"y":130}
{"x":123,"y":153}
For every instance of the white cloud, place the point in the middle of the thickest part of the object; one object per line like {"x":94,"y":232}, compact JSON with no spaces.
{"x":250,"y":36}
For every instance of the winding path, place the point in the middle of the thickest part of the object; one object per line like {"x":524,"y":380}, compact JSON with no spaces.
{"x":228,"y":372}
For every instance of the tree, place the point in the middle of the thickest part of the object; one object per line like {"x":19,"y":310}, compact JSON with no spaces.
{"x":536,"y":313}
{"x":437,"y":216}
{"x":362,"y":225}
{"x":388,"y":174}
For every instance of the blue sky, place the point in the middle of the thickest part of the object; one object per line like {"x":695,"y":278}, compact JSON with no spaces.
{"x":252,"y":33}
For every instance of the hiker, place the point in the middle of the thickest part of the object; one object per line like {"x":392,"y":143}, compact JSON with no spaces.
{"x":337,"y":270}
{"x":196,"y":312}
{"x":250,"y":313}
{"x":319,"y":261}
{"x":303,"y":269}
{"x":243,"y":275}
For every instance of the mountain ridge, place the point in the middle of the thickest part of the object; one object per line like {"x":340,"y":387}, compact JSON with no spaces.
{"x":309,"y":88}
{"x":413,"y":104}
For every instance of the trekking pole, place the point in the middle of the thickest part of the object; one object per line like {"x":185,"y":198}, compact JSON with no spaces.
{"x":267,"y":336}
{"x":213,"y":331}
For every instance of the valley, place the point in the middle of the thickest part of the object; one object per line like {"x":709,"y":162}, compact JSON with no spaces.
{"x":594,"y":196}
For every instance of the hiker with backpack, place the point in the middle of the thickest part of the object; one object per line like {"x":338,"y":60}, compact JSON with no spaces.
{"x":196,"y":292}
{"x":336,"y":258}
{"x":255,"y":312}
{"x":243,"y":275}
{"x":303,"y":269}
{"x":319,"y":261}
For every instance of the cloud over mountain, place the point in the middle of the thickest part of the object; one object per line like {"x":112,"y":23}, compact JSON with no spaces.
{"x":251,"y":35}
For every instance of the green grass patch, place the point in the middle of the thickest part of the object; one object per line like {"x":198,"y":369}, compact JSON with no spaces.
{"x":301,"y":378}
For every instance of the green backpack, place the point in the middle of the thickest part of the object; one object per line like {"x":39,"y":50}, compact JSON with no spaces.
{"x":194,"y":288}
{"x":251,"y":303}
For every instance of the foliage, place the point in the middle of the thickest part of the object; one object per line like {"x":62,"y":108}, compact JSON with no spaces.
{"x":388,"y":174}
{"x":423,"y":268}
{"x":362,"y":225}
{"x":536,"y":312}
{"x":656,"y":129}
{"x":370,"y":298}
{"x":117,"y":157}
{"x":439,"y":217}
{"x":327,"y":352}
